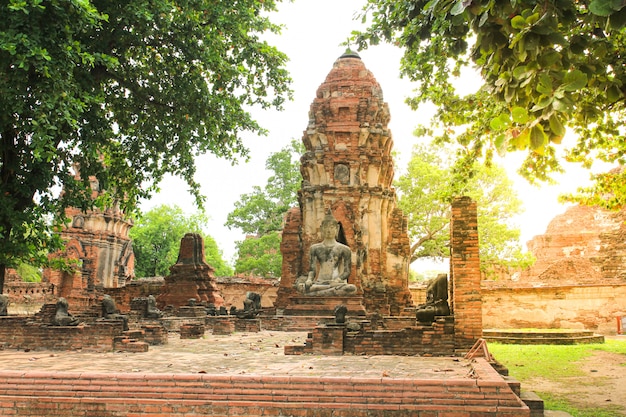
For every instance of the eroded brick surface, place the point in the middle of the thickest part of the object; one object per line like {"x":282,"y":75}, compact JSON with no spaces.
{"x":348,"y":169}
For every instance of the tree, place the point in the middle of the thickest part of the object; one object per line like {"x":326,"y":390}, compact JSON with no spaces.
{"x":426,"y":191}
{"x":156,"y":241}
{"x":126,"y":91}
{"x":545,"y":66}
{"x":261,"y":211}
{"x":260,"y":214}
{"x":260,"y":256}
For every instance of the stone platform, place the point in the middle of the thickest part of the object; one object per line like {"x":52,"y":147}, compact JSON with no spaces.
{"x":248,"y":375}
{"x":542,"y":337}
{"x":324,"y":306}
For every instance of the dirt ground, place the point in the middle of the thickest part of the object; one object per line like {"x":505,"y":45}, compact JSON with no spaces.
{"x":603,"y":386}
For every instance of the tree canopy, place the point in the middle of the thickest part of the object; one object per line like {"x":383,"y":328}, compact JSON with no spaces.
{"x":546,"y":66}
{"x":156,"y":239}
{"x":261,"y":211}
{"x":426,"y":190}
{"x":260,"y":256}
{"x":127,"y":92}
{"x":260,"y":214}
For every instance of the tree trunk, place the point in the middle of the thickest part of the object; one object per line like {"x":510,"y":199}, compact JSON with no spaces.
{"x":3,"y":270}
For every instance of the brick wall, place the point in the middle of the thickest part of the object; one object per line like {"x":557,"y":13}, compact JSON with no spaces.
{"x":23,"y":333}
{"x":465,"y":294}
{"x":590,"y":307}
{"x":436,"y":340}
{"x":509,"y":306}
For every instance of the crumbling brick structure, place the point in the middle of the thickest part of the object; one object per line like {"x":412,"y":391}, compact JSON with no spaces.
{"x":465,"y":292}
{"x":190,"y":277}
{"x":348,"y":169}
{"x":99,"y":240}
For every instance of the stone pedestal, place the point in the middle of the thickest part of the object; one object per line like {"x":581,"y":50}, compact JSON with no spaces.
{"x":248,"y":325}
{"x":191,"y":331}
{"x":301,"y":305}
{"x":191,"y":311}
{"x":328,"y":339}
{"x":224,"y":326}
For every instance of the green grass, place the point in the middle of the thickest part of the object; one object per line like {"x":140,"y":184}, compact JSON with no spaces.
{"x":550,"y":402}
{"x":556,"y":363}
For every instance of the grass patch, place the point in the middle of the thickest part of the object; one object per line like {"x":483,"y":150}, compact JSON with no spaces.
{"x":551,"y":402}
{"x":545,"y":361}
{"x":556,"y":363}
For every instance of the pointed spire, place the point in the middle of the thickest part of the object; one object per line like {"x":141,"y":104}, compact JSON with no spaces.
{"x":350,"y":54}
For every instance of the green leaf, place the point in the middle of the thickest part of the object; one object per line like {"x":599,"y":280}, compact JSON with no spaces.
{"x":605,"y":7}
{"x":518,"y":22}
{"x":544,"y":101}
{"x":556,"y":126}
{"x":459,"y":7}
{"x":521,"y":72}
{"x":614,"y":93}
{"x":618,"y":20}
{"x":521,"y":140}
{"x":564,"y":105}
{"x":483,"y":19}
{"x":499,"y":143}
{"x":538,"y":137}
{"x":545,"y":84}
{"x":501,"y":122}
{"x":549,"y":58}
{"x":519,"y":115}
{"x":574,"y":80}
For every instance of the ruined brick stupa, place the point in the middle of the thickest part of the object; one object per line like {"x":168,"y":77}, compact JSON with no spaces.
{"x":100,"y":240}
{"x":190,"y":277}
{"x":348,"y":170}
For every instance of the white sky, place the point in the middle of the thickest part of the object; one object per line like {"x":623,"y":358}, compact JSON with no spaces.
{"x":314,"y":29}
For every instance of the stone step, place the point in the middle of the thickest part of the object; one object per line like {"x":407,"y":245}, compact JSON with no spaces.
{"x":254,"y":395}
{"x":534,"y":403}
{"x":521,"y":337}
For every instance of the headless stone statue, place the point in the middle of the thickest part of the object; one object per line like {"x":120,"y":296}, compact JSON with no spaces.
{"x":62,"y":317}
{"x":4,"y":303}
{"x":110,"y":312}
{"x":436,"y":300}
{"x":251,"y":306}
{"x":334,"y":260}
{"x":152,"y":312}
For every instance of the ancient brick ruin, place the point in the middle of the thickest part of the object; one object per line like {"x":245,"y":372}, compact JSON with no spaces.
{"x":584,"y":245}
{"x":190,"y":277}
{"x":578,"y":281}
{"x":99,"y":240}
{"x":348,"y":169}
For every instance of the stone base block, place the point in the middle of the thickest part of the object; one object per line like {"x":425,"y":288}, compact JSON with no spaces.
{"x":324,"y":306}
{"x":248,"y":325}
{"x":191,"y":331}
{"x":223,"y":327}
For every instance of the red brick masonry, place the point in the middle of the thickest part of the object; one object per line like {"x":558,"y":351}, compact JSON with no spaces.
{"x":99,"y":395}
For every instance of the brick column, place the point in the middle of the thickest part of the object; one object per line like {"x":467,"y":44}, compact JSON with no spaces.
{"x":465,"y":273}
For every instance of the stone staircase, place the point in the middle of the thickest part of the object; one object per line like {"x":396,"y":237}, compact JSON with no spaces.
{"x":539,"y":337}
{"x":98,"y":395}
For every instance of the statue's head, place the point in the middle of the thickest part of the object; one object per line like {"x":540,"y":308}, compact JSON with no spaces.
{"x":330,"y":224}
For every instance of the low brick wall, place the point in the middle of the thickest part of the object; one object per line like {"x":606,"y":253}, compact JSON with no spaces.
{"x":111,"y":395}
{"x":590,"y":307}
{"x":436,"y":340}
{"x":513,"y":306}
{"x":22,"y":333}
